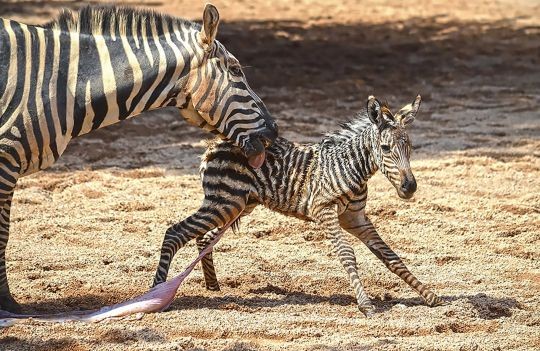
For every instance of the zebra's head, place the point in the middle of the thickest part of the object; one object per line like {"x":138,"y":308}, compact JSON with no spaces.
{"x":392,"y":146}
{"x":220,"y":100}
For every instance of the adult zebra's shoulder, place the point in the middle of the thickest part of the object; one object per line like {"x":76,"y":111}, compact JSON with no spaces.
{"x":325,"y":182}
{"x":87,"y":70}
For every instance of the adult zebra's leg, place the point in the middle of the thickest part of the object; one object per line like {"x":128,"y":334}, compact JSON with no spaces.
{"x":8,"y":179}
{"x":207,"y":262}
{"x":211,"y":215}
{"x":347,"y":258}
{"x":356,"y":223}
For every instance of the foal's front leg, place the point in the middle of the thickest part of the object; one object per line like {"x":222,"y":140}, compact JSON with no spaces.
{"x":354,"y":220}
{"x":345,"y":252}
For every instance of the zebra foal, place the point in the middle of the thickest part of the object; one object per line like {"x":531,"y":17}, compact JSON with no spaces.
{"x":324,"y":182}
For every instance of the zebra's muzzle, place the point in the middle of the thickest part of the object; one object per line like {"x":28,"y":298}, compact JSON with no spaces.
{"x":255,"y":151}
{"x":256,"y":146}
{"x":407,"y":187}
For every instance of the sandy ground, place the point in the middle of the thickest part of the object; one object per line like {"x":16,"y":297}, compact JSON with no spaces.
{"x":87,"y":232}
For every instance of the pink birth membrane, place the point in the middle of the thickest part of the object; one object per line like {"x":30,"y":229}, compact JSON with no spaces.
{"x":156,"y":299}
{"x":257,"y":160}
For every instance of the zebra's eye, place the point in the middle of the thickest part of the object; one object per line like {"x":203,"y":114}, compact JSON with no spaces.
{"x":235,"y":70}
{"x":385,"y":149}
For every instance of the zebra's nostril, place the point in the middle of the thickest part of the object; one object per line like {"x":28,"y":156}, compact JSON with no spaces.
{"x":270,"y":132}
{"x":408,"y":186}
{"x":266,"y":142}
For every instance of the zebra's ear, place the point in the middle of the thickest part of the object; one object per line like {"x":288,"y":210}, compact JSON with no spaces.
{"x":210,"y":25}
{"x":406,"y":115}
{"x":374,"y":110}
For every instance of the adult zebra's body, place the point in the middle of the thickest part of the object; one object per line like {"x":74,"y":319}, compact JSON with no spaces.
{"x":81,"y":73}
{"x":324,"y":182}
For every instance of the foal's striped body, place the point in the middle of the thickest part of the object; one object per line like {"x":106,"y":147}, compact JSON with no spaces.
{"x":324,"y":182}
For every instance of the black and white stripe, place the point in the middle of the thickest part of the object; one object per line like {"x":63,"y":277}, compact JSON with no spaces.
{"x":100,"y":66}
{"x":324,"y":182}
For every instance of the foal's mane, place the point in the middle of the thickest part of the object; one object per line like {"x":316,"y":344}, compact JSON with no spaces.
{"x":353,"y":128}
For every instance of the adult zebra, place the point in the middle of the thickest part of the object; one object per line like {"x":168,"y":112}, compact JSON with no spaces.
{"x":100,"y":66}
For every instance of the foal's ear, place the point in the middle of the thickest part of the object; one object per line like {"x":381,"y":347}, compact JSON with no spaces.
{"x":406,"y":115}
{"x":374,"y":110}
{"x":210,"y":25}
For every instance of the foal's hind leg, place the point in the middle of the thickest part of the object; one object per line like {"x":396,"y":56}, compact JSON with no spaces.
{"x":207,"y":262}
{"x":214,"y":213}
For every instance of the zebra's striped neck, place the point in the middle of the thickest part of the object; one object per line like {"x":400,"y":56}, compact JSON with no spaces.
{"x":122,"y":62}
{"x":347,"y":159}
{"x":119,"y":77}
{"x":82,"y":81}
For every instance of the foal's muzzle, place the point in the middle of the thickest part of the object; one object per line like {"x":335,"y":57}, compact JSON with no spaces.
{"x":407,"y":187}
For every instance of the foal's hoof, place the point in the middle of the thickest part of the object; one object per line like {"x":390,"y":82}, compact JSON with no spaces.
{"x":367,"y":310}
{"x":433,"y":300}
{"x":8,"y":303}
{"x":156,"y":283}
{"x":213,"y":288}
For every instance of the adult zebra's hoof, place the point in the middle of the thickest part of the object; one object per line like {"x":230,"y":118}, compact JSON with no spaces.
{"x":8,"y":303}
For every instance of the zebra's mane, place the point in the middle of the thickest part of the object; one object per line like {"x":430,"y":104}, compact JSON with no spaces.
{"x":348,"y":129}
{"x":354,"y":127}
{"x":106,"y":19}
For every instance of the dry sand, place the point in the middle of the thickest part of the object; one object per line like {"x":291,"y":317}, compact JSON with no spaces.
{"x":88,"y":231}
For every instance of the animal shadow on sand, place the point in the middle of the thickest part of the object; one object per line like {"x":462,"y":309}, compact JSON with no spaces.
{"x":486,"y":307}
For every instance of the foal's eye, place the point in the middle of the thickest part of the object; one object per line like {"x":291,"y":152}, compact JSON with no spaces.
{"x":235,"y":70}
{"x":385,"y":148}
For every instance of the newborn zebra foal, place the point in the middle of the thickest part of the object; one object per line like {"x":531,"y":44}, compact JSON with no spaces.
{"x":324,"y":182}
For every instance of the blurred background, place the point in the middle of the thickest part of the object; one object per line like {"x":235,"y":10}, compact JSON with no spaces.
{"x":471,"y":232}
{"x":314,"y":62}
